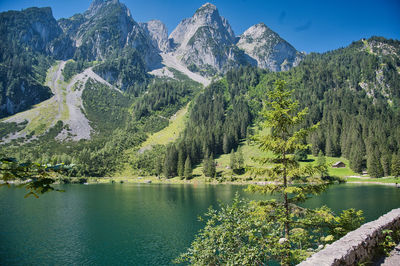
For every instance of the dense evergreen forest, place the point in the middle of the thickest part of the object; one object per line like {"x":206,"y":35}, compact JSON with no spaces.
{"x":353,"y":92}
{"x":22,"y":70}
{"x":26,"y":55}
{"x":219,"y":119}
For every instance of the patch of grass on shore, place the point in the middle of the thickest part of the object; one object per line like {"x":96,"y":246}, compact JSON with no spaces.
{"x":385,"y":180}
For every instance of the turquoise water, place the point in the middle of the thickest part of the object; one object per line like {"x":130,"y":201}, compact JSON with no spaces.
{"x":134,"y":224}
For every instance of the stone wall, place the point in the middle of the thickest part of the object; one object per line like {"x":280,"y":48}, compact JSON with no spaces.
{"x":357,"y":246}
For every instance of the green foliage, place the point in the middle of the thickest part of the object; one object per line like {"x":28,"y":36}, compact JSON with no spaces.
{"x":237,"y":161}
{"x":374,"y":166}
{"x":188,"y":168}
{"x":209,"y":166}
{"x":107,"y":109}
{"x":170,"y":166}
{"x":72,"y":68}
{"x":250,"y":233}
{"x":396,"y":165}
{"x":34,"y":177}
{"x":260,"y":232}
{"x":225,"y":241}
{"x":232,"y":161}
{"x":348,"y":220}
{"x":181,"y":164}
{"x":386,"y":164}
{"x":240,"y":159}
{"x":24,"y":57}
{"x":126,"y":70}
{"x":352,"y":115}
{"x":388,"y":242}
{"x":164,"y":98}
{"x":219,"y":117}
{"x":9,"y":128}
{"x":300,"y":155}
{"x":322,"y":167}
{"x":148,"y":162}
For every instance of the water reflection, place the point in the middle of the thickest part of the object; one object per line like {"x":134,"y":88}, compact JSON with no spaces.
{"x":135,"y":224}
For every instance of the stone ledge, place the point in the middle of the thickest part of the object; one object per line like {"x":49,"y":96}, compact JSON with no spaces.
{"x":356,"y":246}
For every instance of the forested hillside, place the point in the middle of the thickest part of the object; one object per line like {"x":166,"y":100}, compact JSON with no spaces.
{"x":23,"y":60}
{"x":118,"y":122}
{"x":353,"y":92}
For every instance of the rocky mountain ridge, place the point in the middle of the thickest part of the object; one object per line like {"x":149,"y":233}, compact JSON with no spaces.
{"x":203,"y":45}
{"x":269,"y":49}
{"x":206,"y":42}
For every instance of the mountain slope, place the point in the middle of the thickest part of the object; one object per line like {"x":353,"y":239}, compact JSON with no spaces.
{"x":158,"y":33}
{"x":66,"y":106}
{"x":27,"y":40}
{"x":206,"y":42}
{"x":353,"y":92}
{"x":268,"y":49}
{"x":201,"y":47}
{"x":105,"y":29}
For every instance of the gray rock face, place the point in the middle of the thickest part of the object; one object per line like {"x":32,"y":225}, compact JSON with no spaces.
{"x":206,"y":41}
{"x":206,"y":44}
{"x":108,"y":27}
{"x":268,"y":49}
{"x":357,"y":246}
{"x":34,"y":27}
{"x":158,"y":33}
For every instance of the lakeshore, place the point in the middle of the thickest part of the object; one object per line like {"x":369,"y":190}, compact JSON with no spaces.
{"x":138,"y":224}
{"x":234,"y":180}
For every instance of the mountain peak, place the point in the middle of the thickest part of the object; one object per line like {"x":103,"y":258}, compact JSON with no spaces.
{"x":207,"y":10}
{"x":96,"y":5}
{"x":268,"y":48}
{"x":260,"y":30}
{"x":261,"y":25}
{"x":208,"y":6}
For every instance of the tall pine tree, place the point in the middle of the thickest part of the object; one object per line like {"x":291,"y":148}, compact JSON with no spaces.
{"x":188,"y":168}
{"x":396,"y":165}
{"x":283,"y":140}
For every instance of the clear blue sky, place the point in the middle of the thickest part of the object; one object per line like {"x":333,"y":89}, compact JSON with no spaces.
{"x":311,"y":26}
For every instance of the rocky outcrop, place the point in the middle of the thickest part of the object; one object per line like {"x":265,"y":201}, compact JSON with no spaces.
{"x":158,"y":33}
{"x":105,"y":29}
{"x":268,"y":49}
{"x":206,"y":42}
{"x":35,"y":28}
{"x":357,"y":246}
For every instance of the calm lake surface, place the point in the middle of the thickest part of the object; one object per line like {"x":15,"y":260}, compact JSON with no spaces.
{"x":135,"y":224}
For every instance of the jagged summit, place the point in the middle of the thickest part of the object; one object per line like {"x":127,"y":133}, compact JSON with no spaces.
{"x":208,"y":5}
{"x":207,"y":8}
{"x":205,"y":41}
{"x":263,"y":27}
{"x":268,"y":48}
{"x":106,"y":28}
{"x":98,"y":5}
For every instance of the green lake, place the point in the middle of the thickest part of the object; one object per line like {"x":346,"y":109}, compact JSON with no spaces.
{"x":140,"y":224}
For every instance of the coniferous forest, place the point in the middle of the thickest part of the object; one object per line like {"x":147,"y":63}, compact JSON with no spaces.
{"x":353,"y":93}
{"x":157,"y":117}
